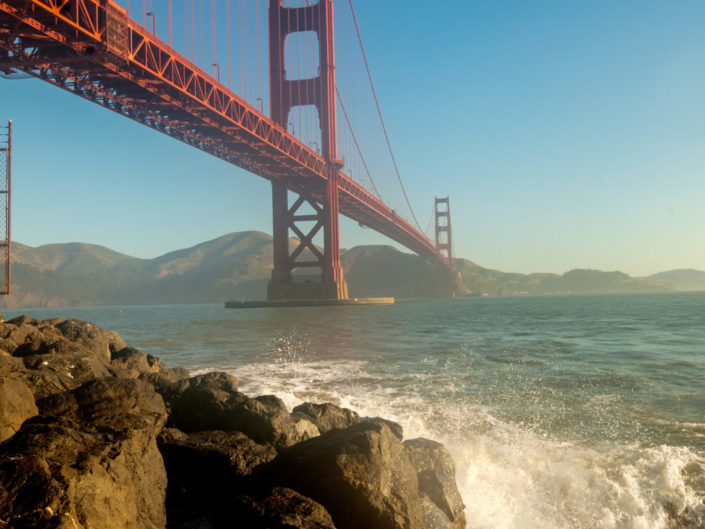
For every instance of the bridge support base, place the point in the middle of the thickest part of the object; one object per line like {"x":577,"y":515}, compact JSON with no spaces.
{"x":307,"y":290}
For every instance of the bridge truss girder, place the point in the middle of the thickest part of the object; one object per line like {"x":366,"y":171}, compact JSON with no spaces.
{"x":91,"y":48}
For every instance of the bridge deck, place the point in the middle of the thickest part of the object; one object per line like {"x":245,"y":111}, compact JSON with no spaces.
{"x":94,"y":50}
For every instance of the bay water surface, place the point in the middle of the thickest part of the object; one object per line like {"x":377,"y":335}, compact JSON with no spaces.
{"x":575,"y":412}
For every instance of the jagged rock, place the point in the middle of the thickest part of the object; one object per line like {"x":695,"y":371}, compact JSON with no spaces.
{"x":361,"y":475}
{"x":90,"y":460}
{"x":281,"y":508}
{"x":129,"y":362}
{"x":16,"y":406}
{"x":436,"y":474}
{"x":211,"y":402}
{"x":204,"y":468}
{"x":214,"y":449}
{"x":48,"y":374}
{"x":326,"y":416}
{"x":90,"y":336}
{"x":23,"y":336}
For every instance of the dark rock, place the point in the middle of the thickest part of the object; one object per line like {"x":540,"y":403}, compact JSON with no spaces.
{"x":16,"y":406}
{"x":90,"y":460}
{"x":211,"y":402}
{"x":129,"y":362}
{"x":48,"y":374}
{"x":362,"y":475}
{"x":281,"y":508}
{"x":326,"y":416}
{"x":232,"y":453}
{"x":395,"y":427}
{"x":204,"y":468}
{"x":91,"y":337}
{"x":436,"y":474}
{"x":23,"y":336}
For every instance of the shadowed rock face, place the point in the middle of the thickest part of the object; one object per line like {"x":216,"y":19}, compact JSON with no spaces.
{"x":212,"y":402}
{"x":83,"y":444}
{"x":362,"y":475}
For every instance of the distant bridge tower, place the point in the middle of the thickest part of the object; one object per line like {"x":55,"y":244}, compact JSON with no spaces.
{"x":286,"y":94}
{"x":444,"y":242}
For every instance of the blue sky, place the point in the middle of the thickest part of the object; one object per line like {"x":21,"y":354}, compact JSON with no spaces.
{"x":567,"y":134}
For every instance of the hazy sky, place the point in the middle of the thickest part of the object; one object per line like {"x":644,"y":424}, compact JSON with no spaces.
{"x":567,"y":134}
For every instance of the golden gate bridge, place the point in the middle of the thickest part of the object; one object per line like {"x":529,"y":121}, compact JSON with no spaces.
{"x":289,"y":132}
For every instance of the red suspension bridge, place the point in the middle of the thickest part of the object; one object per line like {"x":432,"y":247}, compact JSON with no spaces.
{"x":319,"y":166}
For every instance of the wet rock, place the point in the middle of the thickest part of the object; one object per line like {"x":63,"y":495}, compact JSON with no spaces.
{"x":16,"y":406}
{"x":361,"y":475}
{"x":90,"y":460}
{"x":211,"y":402}
{"x":281,"y":508}
{"x":326,"y":416}
{"x":436,"y":475}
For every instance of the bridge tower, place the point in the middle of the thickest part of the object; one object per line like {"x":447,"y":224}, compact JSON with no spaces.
{"x":444,"y":242}
{"x":286,"y":94}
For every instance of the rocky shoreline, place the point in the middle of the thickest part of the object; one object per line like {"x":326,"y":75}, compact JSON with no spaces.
{"x":96,"y":434}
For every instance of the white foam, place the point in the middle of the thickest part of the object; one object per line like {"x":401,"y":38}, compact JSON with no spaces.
{"x":510,"y":476}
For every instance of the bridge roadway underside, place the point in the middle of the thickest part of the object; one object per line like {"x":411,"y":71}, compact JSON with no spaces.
{"x":93,"y":50}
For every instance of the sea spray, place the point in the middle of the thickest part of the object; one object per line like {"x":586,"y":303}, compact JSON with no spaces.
{"x":510,"y":476}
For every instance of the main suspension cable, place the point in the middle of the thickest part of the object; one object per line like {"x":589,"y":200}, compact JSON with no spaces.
{"x":379,"y":111}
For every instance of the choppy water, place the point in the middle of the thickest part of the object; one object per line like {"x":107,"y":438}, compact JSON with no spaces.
{"x":560,"y":412}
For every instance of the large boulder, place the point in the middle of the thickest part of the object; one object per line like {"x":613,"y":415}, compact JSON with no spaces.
{"x":89,"y":460}
{"x":16,"y":406}
{"x":23,"y":336}
{"x":205,"y":469}
{"x":212,"y":402}
{"x":361,"y":475}
{"x":47,"y":374}
{"x":280,"y":508}
{"x":441,"y":502}
{"x":55,"y":355}
{"x":326,"y":416}
{"x":129,"y":362}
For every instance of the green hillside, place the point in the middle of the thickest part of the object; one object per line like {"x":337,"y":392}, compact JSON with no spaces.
{"x":238,"y":266}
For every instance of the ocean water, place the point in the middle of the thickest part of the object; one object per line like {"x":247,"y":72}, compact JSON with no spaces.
{"x":580,"y":412}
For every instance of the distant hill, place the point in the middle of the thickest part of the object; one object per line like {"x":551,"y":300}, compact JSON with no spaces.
{"x":238,"y":266}
{"x":681,"y":279}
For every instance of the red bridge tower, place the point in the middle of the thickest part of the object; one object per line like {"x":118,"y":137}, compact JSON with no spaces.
{"x":286,"y":94}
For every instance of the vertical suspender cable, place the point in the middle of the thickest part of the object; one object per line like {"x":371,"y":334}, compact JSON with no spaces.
{"x":259,"y":74}
{"x":227,"y":16}
{"x":379,"y":111}
{"x":203,"y":61}
{"x":193,"y":31}
{"x":171,"y":41}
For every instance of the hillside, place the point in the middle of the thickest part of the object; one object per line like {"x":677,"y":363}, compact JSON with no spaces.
{"x":238,"y":266}
{"x":681,"y":279}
